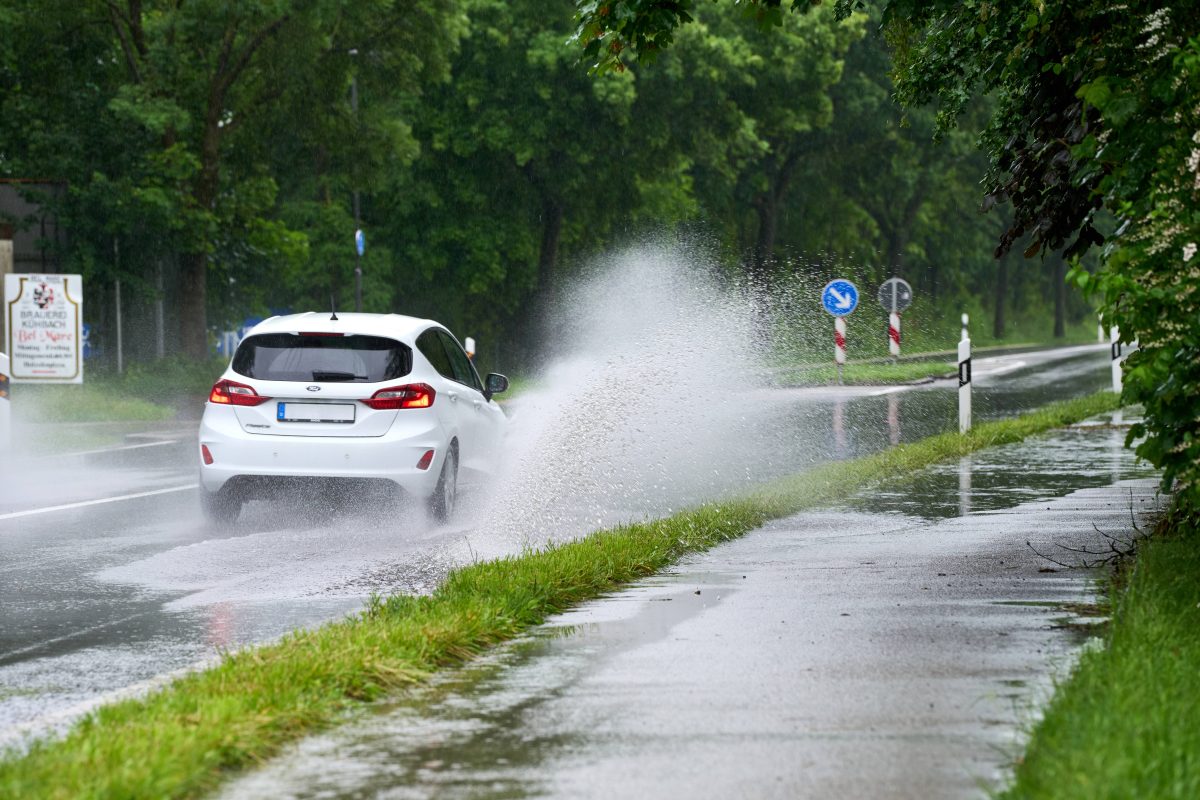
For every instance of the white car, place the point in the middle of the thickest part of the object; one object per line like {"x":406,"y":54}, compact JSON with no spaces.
{"x":348,"y":400}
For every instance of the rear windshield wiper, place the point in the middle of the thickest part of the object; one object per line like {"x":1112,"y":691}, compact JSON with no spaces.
{"x":321,"y":375}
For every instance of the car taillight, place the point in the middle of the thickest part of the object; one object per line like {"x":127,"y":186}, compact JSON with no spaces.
{"x":206,"y":454}
{"x":232,"y":393}
{"x":414,"y":395}
{"x":426,"y":460}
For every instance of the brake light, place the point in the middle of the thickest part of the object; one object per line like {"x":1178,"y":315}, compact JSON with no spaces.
{"x":414,"y":395}
{"x":426,"y":460}
{"x":206,"y":454}
{"x":232,"y":393}
{"x":320,"y":333}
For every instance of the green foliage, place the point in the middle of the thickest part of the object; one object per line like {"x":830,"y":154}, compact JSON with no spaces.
{"x":1092,"y":110}
{"x":181,"y":741}
{"x":1085,"y":122}
{"x":488,"y":165}
{"x":1124,"y":724}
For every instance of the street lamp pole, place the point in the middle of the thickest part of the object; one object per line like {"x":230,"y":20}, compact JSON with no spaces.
{"x":357,"y":210}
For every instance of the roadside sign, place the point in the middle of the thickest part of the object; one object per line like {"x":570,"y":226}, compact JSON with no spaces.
{"x":895,"y":295}
{"x":360,"y":241}
{"x":840,"y":297}
{"x":43,"y":323}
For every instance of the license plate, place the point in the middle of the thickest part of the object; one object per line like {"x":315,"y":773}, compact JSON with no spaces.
{"x":315,"y":412}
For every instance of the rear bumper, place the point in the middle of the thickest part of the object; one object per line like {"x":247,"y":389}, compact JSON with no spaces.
{"x":391,"y":457}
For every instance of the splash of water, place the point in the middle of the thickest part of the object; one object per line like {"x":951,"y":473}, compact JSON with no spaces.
{"x":643,"y":411}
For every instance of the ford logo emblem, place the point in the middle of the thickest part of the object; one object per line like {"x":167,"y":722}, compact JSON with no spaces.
{"x":313,"y":388}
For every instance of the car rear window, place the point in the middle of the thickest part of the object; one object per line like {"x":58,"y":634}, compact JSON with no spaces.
{"x":305,"y":357}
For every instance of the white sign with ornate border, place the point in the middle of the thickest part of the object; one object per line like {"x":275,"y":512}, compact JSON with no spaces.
{"x":43,"y":324}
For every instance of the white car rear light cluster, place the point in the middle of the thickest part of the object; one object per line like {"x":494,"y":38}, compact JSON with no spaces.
{"x":413,"y":395}
{"x":227,"y":392}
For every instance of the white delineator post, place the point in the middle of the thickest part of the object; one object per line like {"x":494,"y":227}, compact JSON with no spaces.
{"x":839,"y":345}
{"x":894,"y":334}
{"x":1116,"y":359}
{"x":964,"y":379}
{"x":1100,"y":332}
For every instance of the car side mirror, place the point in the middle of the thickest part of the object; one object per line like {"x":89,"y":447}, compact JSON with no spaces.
{"x":494,"y":384}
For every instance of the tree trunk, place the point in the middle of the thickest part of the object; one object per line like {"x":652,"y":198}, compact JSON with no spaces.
{"x":767,"y":208}
{"x":1060,"y":299}
{"x":1001,"y":295}
{"x":193,"y":323}
{"x":194,"y":266}
{"x":552,"y":219}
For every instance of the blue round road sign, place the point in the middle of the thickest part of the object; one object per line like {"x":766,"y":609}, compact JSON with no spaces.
{"x":360,"y":241}
{"x":839,"y":297}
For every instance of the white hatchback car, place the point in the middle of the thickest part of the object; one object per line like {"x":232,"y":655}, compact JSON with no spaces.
{"x":344,"y":401}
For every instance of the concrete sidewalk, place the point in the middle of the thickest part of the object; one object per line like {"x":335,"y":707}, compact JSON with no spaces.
{"x":896,"y":652}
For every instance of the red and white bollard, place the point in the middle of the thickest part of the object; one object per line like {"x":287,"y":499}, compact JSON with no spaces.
{"x":839,"y":345}
{"x":894,"y":334}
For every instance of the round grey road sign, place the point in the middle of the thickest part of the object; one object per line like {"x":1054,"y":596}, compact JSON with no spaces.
{"x":895,"y":295}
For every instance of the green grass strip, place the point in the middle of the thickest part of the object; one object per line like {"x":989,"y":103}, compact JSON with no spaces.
{"x":182,"y":740}
{"x":861,"y":374}
{"x":1127,"y":723}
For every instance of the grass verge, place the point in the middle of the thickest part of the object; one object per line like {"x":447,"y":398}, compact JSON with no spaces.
{"x":1127,"y":722}
{"x":182,"y":740}
{"x":868,"y":374}
{"x":86,"y":402}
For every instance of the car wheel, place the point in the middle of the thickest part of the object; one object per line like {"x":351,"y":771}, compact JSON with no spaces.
{"x":445,"y":495}
{"x":220,"y":508}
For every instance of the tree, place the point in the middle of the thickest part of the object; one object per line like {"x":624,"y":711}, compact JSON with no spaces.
{"x":1094,"y":105}
{"x":175,"y":114}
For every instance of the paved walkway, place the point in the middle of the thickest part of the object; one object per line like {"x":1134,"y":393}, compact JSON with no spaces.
{"x":895,"y":652}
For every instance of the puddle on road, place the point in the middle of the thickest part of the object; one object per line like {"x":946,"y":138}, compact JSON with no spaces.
{"x":1047,"y":466}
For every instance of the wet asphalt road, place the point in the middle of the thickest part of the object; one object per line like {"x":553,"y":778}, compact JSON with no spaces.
{"x":892,"y":647}
{"x":110,"y":578}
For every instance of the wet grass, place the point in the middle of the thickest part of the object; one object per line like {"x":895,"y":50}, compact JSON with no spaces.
{"x":146,"y":392}
{"x":183,"y":740}
{"x":859,"y":374}
{"x":87,"y":402}
{"x":1127,"y":722}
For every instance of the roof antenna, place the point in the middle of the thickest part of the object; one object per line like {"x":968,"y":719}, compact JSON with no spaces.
{"x":332,"y":309}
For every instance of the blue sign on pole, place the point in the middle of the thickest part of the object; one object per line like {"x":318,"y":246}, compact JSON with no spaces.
{"x":839,"y":297}
{"x":360,"y":241}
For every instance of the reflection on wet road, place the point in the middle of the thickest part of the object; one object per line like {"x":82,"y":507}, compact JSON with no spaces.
{"x":885,"y":648}
{"x":100,"y":596}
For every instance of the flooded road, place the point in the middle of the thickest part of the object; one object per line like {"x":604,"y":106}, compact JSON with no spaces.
{"x":895,"y":646}
{"x":109,"y":576}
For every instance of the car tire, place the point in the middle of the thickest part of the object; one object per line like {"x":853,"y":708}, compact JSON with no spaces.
{"x":445,"y":494}
{"x":220,"y":508}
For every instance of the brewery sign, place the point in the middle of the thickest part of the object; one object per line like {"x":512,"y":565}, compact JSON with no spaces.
{"x":43,"y":325}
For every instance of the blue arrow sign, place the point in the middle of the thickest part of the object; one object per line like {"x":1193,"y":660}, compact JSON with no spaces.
{"x":839,"y":297}
{"x":360,"y":241}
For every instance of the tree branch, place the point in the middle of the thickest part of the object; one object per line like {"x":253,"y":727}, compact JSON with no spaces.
{"x":131,"y":63}
{"x":248,"y":51}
